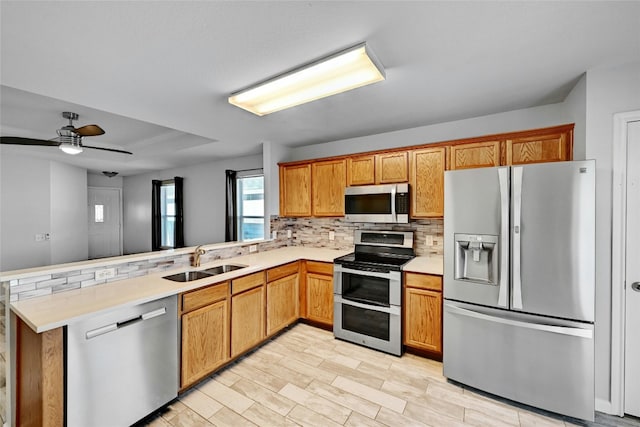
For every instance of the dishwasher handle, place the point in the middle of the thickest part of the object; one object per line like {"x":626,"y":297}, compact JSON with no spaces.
{"x":119,"y":325}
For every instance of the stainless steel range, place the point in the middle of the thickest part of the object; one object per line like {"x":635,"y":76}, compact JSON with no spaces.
{"x":367,"y":287}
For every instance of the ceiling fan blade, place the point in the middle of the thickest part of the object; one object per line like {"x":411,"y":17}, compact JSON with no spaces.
{"x":108,"y":149}
{"x":89,"y":130}
{"x":27,"y":141}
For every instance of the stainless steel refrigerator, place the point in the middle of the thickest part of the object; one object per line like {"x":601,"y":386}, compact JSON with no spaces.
{"x":519,"y":283}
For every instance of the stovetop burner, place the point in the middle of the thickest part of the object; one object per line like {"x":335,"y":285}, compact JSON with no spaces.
{"x":375,"y":250}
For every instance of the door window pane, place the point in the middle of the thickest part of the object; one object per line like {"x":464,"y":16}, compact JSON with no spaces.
{"x":99,"y":213}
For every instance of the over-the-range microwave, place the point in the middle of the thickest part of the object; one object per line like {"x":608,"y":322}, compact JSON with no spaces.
{"x":377,"y":203}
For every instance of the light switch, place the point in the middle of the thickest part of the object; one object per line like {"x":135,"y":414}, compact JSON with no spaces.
{"x":332,"y":235}
{"x":288,"y":234}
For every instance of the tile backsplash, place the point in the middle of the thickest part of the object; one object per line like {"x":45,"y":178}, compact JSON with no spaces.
{"x":313,"y":232}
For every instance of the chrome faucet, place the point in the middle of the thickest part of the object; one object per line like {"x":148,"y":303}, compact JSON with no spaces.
{"x":196,"y":256}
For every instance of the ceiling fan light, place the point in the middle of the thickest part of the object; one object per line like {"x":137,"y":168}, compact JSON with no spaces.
{"x":72,"y":147}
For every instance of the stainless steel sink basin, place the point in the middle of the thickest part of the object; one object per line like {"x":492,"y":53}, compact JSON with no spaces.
{"x":188,"y":276}
{"x":223,"y":268}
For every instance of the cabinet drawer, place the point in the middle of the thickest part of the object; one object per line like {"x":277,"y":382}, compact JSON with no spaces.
{"x":241,"y":284}
{"x":423,"y":281}
{"x":201,"y":297}
{"x":320,"y":267}
{"x":282,"y":271}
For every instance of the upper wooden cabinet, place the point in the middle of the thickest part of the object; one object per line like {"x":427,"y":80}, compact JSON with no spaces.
{"x":475,"y":155}
{"x":295,"y":190}
{"x":392,"y":167}
{"x":554,"y":147}
{"x":427,"y":182}
{"x":328,"y":179}
{"x":384,"y":168}
{"x":361,"y":170}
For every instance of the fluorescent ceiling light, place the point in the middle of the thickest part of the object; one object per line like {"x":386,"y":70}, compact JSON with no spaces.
{"x":337,"y":73}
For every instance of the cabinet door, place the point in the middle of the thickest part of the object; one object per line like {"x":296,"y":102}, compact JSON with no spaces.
{"x":329,"y":179}
{"x":247,"y":320}
{"x":320,"y":298}
{"x":205,"y":341}
{"x":423,"y":319}
{"x":475,"y":155}
{"x":295,"y":190}
{"x":361,"y":170}
{"x":427,"y":182}
{"x":392,"y":168}
{"x":534,"y":149}
{"x":282,"y":303}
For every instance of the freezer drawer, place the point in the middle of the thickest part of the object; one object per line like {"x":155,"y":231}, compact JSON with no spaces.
{"x":542,"y":362}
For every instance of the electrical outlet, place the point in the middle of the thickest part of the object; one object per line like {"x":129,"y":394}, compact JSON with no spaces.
{"x":40,"y":237}
{"x":288,"y":234}
{"x":253,"y":248}
{"x":274,"y":234}
{"x":429,"y":240}
{"x":106,"y":273}
{"x":332,"y":235}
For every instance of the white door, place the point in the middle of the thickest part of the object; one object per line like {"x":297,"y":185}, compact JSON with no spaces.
{"x":632,"y":309}
{"x":104,"y":222}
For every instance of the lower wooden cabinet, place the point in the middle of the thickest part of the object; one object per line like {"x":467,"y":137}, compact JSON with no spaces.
{"x":282,"y":297}
{"x":247,"y":320}
{"x":205,"y":341}
{"x":205,"y":332}
{"x":423,"y":312}
{"x":319,"y":292}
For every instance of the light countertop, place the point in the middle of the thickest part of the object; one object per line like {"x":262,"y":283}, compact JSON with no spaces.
{"x":60,"y":309}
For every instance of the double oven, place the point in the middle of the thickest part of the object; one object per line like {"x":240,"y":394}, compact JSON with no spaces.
{"x":368,"y":290}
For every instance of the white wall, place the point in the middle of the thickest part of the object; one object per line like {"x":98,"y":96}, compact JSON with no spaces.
{"x":39,"y":196}
{"x":24,"y":211}
{"x":529,"y":118}
{"x":69,"y":214}
{"x":576,"y":108}
{"x":204,"y":202}
{"x":272,"y":154}
{"x":609,"y":91}
{"x":99,"y":180}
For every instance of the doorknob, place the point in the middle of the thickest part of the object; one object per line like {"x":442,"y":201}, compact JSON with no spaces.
{"x":635,"y":286}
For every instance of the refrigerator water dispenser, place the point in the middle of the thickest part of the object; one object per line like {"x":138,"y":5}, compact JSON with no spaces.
{"x":476,"y":258}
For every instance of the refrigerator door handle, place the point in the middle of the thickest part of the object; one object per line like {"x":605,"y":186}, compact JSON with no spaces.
{"x":517,"y":213}
{"x":504,"y":237}
{"x":563,"y":330}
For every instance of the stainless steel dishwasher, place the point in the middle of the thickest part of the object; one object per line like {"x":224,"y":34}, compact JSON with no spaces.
{"x":122,"y":365}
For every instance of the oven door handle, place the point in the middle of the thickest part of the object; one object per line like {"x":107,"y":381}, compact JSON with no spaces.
{"x":340,"y":269}
{"x":393,"y":309}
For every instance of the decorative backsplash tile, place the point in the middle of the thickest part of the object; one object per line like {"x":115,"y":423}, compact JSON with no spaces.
{"x":313,"y":232}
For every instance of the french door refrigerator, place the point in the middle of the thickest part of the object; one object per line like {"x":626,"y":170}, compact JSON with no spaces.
{"x":519,"y":283}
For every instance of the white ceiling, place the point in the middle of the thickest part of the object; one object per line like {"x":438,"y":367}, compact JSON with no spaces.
{"x":156,"y":75}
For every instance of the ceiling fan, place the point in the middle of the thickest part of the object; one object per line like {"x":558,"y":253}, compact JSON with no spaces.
{"x":69,"y":137}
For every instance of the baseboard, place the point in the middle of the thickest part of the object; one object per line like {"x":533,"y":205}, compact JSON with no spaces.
{"x":604,"y":406}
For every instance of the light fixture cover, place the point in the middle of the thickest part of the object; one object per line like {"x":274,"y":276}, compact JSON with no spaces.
{"x":337,"y":73}
{"x":71,"y":147}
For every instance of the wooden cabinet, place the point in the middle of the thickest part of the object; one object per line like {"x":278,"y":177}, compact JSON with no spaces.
{"x":282,"y":297}
{"x":427,"y":182}
{"x":205,"y":332}
{"x":361,"y":170}
{"x":423,"y":312}
{"x":328,"y":180}
{"x":392,"y":167}
{"x":319,"y":292}
{"x":384,"y":168}
{"x":475,"y":155}
{"x":553,"y":147}
{"x":295,"y":190}
{"x":247,"y":312}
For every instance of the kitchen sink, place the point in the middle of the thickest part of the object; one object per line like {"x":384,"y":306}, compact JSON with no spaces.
{"x":188,"y":276}
{"x":223,"y":268}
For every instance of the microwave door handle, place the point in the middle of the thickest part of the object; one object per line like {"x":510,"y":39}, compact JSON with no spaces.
{"x":393,"y":203}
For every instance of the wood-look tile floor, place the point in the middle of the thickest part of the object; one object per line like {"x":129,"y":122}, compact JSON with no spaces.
{"x":306,"y":377}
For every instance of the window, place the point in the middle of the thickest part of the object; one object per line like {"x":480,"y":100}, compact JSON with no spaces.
{"x":167,"y":218}
{"x":250,"y":207}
